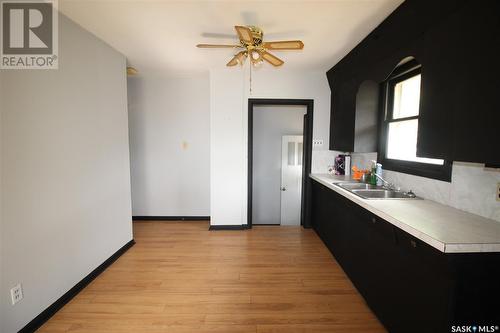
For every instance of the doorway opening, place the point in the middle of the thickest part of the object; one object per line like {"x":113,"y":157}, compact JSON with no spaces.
{"x":279,"y":161}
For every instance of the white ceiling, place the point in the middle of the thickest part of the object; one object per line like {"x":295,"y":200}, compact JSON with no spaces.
{"x":161,"y":36}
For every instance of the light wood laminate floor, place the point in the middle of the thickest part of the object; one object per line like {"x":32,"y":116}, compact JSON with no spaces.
{"x":180,"y":277}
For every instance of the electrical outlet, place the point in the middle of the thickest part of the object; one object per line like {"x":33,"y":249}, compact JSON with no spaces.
{"x":498,"y":191}
{"x":16,"y":294}
{"x":317,"y":143}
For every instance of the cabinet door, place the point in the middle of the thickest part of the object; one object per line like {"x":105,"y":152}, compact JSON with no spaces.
{"x":438,"y":89}
{"x":477,"y":119}
{"x":335,"y":238}
{"x":402,"y":279}
{"x":378,"y":263}
{"x":341,"y":234}
{"x":459,"y":114}
{"x":343,"y":114}
{"x":353,"y":240}
{"x":322,"y":213}
{"x":477,"y":289}
{"x":344,"y":235}
{"x":318,"y":205}
{"x":423,"y":287}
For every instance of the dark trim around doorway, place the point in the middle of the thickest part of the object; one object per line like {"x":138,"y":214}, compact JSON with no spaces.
{"x":307,"y":154}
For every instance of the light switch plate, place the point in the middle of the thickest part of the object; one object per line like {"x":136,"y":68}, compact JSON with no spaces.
{"x":317,"y":143}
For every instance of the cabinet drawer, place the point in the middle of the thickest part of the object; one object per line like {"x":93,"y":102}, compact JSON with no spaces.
{"x":381,"y":227}
{"x":421,"y":252}
{"x":408,"y":241}
{"x":376,"y":225}
{"x":411,"y":243}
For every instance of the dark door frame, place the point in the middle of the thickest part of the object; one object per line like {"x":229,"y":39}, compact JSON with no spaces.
{"x":307,"y":154}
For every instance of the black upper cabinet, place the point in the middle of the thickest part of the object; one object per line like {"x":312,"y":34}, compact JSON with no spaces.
{"x":344,"y":102}
{"x":477,"y":135}
{"x":366,"y":119}
{"x":457,"y":42}
{"x":438,"y":88}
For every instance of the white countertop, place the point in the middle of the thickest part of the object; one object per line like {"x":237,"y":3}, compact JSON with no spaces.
{"x":447,"y":229}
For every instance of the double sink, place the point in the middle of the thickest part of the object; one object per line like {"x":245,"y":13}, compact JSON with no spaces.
{"x":368,"y":191}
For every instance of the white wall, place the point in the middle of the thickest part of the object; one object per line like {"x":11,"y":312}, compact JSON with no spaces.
{"x":227,"y":155}
{"x":472,"y":187}
{"x":229,"y":128}
{"x":270,"y":123}
{"x":170,"y":145}
{"x":65,"y":179}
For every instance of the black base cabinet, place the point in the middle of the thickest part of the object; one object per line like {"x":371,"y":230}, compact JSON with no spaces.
{"x":409,"y":285}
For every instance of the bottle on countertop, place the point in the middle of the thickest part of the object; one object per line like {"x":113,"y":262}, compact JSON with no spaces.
{"x":347,"y":165}
{"x":373,"y":178}
{"x":379,"y":173}
{"x":343,"y":165}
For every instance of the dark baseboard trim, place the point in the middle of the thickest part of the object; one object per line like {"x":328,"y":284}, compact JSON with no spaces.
{"x":266,"y":224}
{"x":170,"y":218}
{"x":57,"y":305}
{"x":228,"y":227}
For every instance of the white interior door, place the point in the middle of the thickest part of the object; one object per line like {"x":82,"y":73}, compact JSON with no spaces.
{"x":291,"y":179}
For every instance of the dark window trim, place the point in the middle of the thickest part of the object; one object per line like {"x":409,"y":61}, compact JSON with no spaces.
{"x":439,"y":172}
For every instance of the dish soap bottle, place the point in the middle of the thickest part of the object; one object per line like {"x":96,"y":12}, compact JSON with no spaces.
{"x":373,"y":178}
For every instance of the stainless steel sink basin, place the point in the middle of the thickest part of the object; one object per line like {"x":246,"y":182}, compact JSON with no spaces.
{"x":357,"y":186}
{"x":382,"y":194}
{"x":368,"y":191}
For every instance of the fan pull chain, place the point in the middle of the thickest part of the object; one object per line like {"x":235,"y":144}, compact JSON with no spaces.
{"x":250,"y":64}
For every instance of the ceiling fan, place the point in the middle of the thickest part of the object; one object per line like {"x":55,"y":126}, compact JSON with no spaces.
{"x":251,"y":41}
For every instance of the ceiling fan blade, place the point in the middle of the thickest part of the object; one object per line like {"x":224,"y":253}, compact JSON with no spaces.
{"x":284,"y":45}
{"x":237,"y":59}
{"x":273,"y":60}
{"x":214,"y":46}
{"x":244,"y":34}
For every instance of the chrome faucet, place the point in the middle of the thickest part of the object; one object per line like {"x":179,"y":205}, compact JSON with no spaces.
{"x":387,"y":185}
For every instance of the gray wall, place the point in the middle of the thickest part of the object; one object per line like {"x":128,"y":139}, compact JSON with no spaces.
{"x":270,"y":123}
{"x":170,"y":145}
{"x":65,"y":179}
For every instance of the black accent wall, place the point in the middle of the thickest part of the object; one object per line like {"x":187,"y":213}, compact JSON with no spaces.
{"x":457,"y":42}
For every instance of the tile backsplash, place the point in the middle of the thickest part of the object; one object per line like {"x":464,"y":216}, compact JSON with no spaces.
{"x":472,"y":188}
{"x":321,"y":159}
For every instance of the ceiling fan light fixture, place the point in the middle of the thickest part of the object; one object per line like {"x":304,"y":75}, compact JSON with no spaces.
{"x":131,"y":71}
{"x":251,"y":41}
{"x":256,"y":57}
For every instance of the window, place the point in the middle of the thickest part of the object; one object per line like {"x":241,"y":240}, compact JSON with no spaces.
{"x":400,"y":126}
{"x":295,"y":153}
